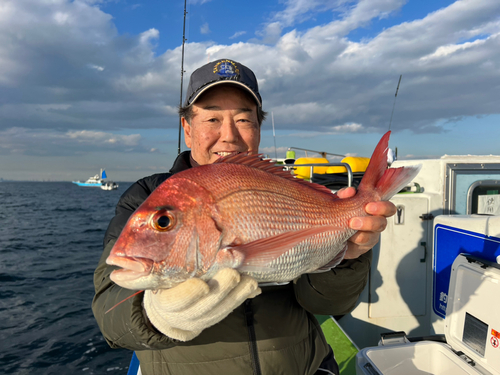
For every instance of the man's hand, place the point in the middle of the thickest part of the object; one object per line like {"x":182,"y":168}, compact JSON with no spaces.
{"x":368,"y":227}
{"x":185,"y":310}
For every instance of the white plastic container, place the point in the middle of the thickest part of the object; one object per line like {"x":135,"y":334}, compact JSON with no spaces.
{"x":472,"y":330}
{"x":423,"y":357}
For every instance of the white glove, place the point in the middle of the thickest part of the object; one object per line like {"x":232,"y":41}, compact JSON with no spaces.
{"x":185,"y":310}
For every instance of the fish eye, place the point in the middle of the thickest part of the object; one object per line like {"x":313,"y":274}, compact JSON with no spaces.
{"x":163,"y":221}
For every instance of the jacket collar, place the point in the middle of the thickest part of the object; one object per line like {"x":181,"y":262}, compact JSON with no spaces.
{"x":182,"y":162}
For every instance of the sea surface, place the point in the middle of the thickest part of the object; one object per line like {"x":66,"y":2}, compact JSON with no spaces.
{"x":50,"y":242}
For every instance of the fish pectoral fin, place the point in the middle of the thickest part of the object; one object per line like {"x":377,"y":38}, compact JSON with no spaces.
{"x":260,"y":253}
{"x":333,"y":263}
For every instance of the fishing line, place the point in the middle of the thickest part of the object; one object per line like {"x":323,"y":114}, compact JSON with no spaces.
{"x":395,"y":97}
{"x":274,"y":136}
{"x":136,"y":293}
{"x":325,"y":370}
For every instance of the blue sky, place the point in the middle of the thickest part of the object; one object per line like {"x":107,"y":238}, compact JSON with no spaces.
{"x":230,"y":22}
{"x":86,"y":84}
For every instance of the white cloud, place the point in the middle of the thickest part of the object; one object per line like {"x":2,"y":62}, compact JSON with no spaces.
{"x":64,"y":68}
{"x":281,"y":151}
{"x":347,"y":128}
{"x":333,"y":130}
{"x":270,"y":34}
{"x":205,"y":29}
{"x":96,"y":67}
{"x":351,"y":14}
{"x":62,"y":18}
{"x":237,"y":34}
{"x":444,"y":51}
{"x":355,"y":81}
{"x":102,"y":138}
{"x":147,"y":36}
{"x":296,"y":11}
{"x":44,"y":142}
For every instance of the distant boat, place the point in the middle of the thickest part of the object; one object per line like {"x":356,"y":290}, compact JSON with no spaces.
{"x":98,"y":181}
{"x":109,"y":185}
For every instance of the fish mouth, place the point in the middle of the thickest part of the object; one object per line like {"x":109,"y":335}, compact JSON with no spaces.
{"x":131,"y":268}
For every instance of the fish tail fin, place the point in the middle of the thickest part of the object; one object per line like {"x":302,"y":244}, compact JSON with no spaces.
{"x":385,"y":181}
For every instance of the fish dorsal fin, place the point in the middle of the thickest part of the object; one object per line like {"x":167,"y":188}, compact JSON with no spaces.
{"x":257,"y":161}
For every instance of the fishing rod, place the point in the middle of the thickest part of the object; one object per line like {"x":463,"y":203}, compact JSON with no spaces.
{"x":182,"y":75}
{"x":393,"y":155}
{"x":395,"y":97}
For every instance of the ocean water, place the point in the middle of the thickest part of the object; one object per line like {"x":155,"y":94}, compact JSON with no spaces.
{"x":50,"y":242}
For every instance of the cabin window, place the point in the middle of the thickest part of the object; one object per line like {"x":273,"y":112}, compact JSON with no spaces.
{"x":484,"y":198}
{"x":465,"y":183}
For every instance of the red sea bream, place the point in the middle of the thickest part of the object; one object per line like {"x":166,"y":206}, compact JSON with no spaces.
{"x":247,"y":214}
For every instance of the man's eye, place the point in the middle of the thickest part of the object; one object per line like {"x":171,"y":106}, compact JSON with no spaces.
{"x":244,"y":121}
{"x":246,"y":124}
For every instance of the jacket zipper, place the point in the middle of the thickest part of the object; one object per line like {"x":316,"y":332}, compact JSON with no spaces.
{"x":253,"y":341}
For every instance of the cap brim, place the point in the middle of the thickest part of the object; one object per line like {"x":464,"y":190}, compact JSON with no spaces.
{"x":225,"y":81}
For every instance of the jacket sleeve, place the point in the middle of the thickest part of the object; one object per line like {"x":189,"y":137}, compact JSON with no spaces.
{"x":126,"y":325}
{"x":334,"y":292}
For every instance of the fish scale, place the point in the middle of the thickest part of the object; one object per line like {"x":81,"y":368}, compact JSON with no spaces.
{"x":244,"y":213}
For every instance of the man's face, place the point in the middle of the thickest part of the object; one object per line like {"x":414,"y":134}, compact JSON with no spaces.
{"x":224,"y":121}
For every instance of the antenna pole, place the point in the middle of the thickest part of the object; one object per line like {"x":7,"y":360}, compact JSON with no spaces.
{"x":274,"y":136}
{"x":182,"y":76}
{"x":395,"y":96}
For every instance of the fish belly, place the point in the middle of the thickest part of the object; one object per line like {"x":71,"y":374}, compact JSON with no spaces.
{"x":306,"y":257}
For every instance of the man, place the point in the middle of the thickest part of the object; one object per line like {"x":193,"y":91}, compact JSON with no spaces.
{"x":229,"y":325}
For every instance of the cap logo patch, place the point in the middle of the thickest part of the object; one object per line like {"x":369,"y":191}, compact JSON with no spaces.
{"x":226,"y":68}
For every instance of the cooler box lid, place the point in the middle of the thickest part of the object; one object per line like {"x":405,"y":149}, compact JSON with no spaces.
{"x":472,"y":323}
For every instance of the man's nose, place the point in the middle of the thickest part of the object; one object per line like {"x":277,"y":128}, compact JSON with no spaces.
{"x":229,"y":132}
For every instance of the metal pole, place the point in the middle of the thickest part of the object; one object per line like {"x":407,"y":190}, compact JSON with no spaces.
{"x":182,"y":76}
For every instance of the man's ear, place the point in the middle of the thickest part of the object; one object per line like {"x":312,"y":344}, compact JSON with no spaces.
{"x":187,"y":132}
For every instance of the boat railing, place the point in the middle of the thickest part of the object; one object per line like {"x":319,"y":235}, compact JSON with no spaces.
{"x":290,"y":167}
{"x":322,"y":153}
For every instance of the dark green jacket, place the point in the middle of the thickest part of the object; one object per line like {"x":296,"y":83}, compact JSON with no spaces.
{"x":273,"y":333}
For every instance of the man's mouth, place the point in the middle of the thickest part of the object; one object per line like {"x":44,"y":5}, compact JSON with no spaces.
{"x":226,"y":153}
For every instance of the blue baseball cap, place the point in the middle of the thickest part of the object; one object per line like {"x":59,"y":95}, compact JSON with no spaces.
{"x":219,"y":72}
